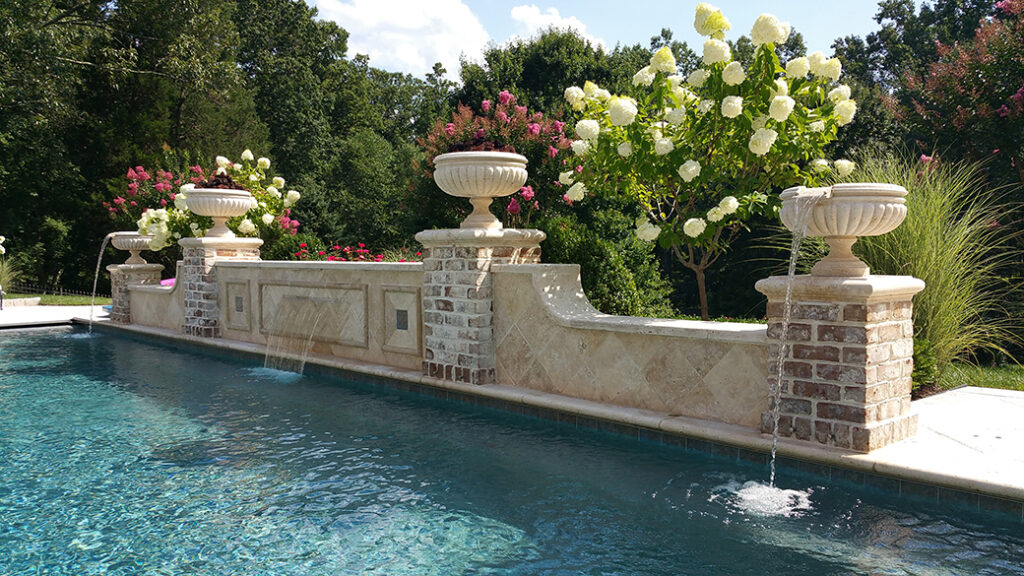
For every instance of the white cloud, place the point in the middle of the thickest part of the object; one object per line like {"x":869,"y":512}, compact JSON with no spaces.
{"x":409,"y":35}
{"x":530,"y":20}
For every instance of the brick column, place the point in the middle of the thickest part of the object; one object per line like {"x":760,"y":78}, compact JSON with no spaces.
{"x":457,"y":296}
{"x":121,"y":277}
{"x":846,"y":379}
{"x":199,"y":256}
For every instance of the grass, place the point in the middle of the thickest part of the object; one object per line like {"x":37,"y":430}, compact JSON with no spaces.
{"x":1006,"y":377}
{"x":57,"y":300}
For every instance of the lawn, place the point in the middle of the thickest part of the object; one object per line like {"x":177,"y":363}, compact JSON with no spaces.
{"x":60,"y":300}
{"x":1007,"y":377}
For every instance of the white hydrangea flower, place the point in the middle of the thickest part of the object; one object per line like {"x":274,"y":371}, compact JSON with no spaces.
{"x":589,"y":89}
{"x":729,"y":204}
{"x":762,"y":140}
{"x":644,"y":77}
{"x":221,"y":171}
{"x":817,"y":126}
{"x":268,"y":219}
{"x":222,"y":162}
{"x":237,"y":166}
{"x":844,"y":167}
{"x":602,"y":94}
{"x":698,"y":77}
{"x":247,"y":155}
{"x":759,"y":122}
{"x":187,"y":187}
{"x":254,"y":177}
{"x":716,"y":51}
{"x":293,"y":196}
{"x":674,"y":80}
{"x":839,"y":93}
{"x":768,"y":30}
{"x":675,"y":116}
{"x":819,"y":165}
{"x":798,"y":67}
{"x":648,"y":232}
{"x":625,"y":149}
{"x":246,"y":226}
{"x":253,"y":203}
{"x":781,"y":88}
{"x":576,"y":192}
{"x":832,"y":69}
{"x":272,"y":190}
{"x":663,"y":61}
{"x":781,"y":107}
{"x":845,"y":111}
{"x":694,"y":227}
{"x":580,"y":147}
{"x":278,"y":181}
{"x":732,"y":106}
{"x":263,"y":163}
{"x":566,"y":178}
{"x":663,"y":146}
{"x":733,"y":74}
{"x":683,"y":95}
{"x":705,"y":105}
{"x":689,"y":170}
{"x":709,"y":21}
{"x":622,"y":111}
{"x":179,"y":202}
{"x":588,"y":129}
{"x":816,"y":62}
{"x":574,"y":96}
{"x":715,"y":214}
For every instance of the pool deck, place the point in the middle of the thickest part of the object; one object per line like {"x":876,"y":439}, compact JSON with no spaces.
{"x":969,"y":448}
{"x":16,"y":316}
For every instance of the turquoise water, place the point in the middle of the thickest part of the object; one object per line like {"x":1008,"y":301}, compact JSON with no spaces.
{"x":121,"y":457}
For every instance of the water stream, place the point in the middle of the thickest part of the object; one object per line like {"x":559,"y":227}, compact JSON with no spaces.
{"x":279,"y":358}
{"x":804,"y":203}
{"x":95,"y":279}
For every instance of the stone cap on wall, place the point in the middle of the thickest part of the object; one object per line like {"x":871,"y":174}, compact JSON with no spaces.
{"x":480,"y":237}
{"x":237,"y":243}
{"x":563,"y":297}
{"x":867,"y":289}
{"x":322,"y":264}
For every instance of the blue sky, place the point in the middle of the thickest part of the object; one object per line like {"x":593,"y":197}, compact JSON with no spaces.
{"x":410,"y":35}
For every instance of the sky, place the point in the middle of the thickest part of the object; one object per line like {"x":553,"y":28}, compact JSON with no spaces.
{"x":410,"y":35}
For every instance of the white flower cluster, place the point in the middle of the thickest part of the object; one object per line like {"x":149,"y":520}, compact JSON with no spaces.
{"x":798,"y":67}
{"x":663,"y":61}
{"x":291,"y":198}
{"x":694,"y":227}
{"x":733,"y":74}
{"x":698,"y":77}
{"x":716,"y":51}
{"x":844,"y":167}
{"x":768,"y":30}
{"x":588,"y":129}
{"x":622,"y":111}
{"x":2,"y":249}
{"x":762,"y":140}
{"x":823,"y":67}
{"x":647,"y":230}
{"x":709,"y":21}
{"x":781,"y":107}
{"x":156,"y":223}
{"x":727,"y":206}
{"x":574,"y":96}
{"x":732,"y":106}
{"x":576,"y":192}
{"x":689,"y":170}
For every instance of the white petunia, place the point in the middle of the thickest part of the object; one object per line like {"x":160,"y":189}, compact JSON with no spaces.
{"x":729,"y":204}
{"x":644,"y":77}
{"x":694,"y":227}
{"x":781,"y":107}
{"x":576,"y":192}
{"x":588,"y":129}
{"x":733,"y":74}
{"x":844,"y":167}
{"x":698,"y":77}
{"x":732,"y":106}
{"x":624,"y":149}
{"x":622,"y":111}
{"x":663,"y":146}
{"x":689,"y":170}
{"x":762,"y":140}
{"x":798,"y":67}
{"x":179,"y":202}
{"x":716,"y":51}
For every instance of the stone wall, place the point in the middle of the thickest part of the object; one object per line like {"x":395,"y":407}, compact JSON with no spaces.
{"x":159,"y":306}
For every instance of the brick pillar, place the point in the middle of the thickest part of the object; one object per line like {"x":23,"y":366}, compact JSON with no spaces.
{"x":199,"y":256}
{"x":846,"y":379}
{"x":457,"y":296}
{"x":121,"y":277}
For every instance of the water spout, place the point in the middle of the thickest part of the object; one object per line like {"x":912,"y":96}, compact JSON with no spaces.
{"x":96,"y":277}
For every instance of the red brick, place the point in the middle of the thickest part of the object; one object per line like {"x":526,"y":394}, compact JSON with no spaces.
{"x":816,"y":390}
{"x":850,"y":334}
{"x":797,"y":370}
{"x":855,"y":313}
{"x":795,"y":406}
{"x":841,"y":373}
{"x":802,"y":428}
{"x":841,"y":412}
{"x":795,"y":333}
{"x":819,"y":352}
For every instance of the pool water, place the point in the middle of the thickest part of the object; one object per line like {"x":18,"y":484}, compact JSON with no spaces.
{"x":124,"y":457}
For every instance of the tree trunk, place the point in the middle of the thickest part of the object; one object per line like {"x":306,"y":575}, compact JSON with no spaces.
{"x":702,"y":292}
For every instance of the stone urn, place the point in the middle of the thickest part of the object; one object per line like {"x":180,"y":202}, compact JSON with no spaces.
{"x":219,"y":204}
{"x":481,"y":177}
{"x":840,"y":214}
{"x":133,"y":243}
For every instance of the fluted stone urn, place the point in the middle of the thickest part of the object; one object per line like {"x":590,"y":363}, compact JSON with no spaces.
{"x":840,"y":214}
{"x":219,"y":204}
{"x":133,"y":243}
{"x":481,"y":177}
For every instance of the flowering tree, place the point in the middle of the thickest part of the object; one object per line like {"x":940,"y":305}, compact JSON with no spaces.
{"x":151,"y":203}
{"x":702,"y":154}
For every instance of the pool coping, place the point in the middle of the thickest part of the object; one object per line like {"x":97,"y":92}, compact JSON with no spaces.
{"x":736,"y":442}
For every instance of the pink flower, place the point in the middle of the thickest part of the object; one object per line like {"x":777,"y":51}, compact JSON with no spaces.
{"x":533,"y":129}
{"x":132,"y":203}
{"x":1018,"y":97}
{"x":503,"y":117}
{"x":480,"y":133}
{"x":321,"y":252}
{"x":1004,"y":6}
{"x":579,"y":169}
{"x":521,"y":110}
{"x":559,"y":126}
{"x":294,"y":224}
{"x":527,"y":193}
{"x":119,"y":200}
{"x":513,"y":207}
{"x":925,"y":159}
{"x":335,"y":247}
{"x":302,"y":245}
{"x":449,"y":128}
{"x":996,"y":151}
{"x":197,"y":169}
{"x":486,"y":105}
{"x":536,"y":205}
{"x":504,"y":97}
{"x":552,"y":151}
{"x":1003,"y":111}
{"x":565,"y":198}
{"x":131,"y":175}
{"x":163,"y":202}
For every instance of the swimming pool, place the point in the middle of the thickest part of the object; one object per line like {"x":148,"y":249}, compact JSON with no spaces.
{"x":126,"y":457}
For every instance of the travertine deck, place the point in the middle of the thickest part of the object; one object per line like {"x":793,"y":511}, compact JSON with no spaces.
{"x":29,"y":316}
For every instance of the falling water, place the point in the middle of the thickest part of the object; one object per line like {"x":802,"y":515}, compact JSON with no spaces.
{"x":95,"y":279}
{"x":278,"y":359}
{"x":804,"y":203}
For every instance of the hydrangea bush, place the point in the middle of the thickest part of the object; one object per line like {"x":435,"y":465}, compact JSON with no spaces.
{"x":157,"y":203}
{"x":704,"y":153}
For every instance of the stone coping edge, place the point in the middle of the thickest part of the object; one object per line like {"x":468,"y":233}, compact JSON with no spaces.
{"x":559,"y":288}
{"x":701,"y":435}
{"x":22,"y":301}
{"x":323,"y":265}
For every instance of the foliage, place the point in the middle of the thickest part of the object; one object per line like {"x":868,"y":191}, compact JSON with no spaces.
{"x":954,"y":238}
{"x":8,"y":272}
{"x":290,"y":247}
{"x":1010,"y":377}
{"x":701,"y":159}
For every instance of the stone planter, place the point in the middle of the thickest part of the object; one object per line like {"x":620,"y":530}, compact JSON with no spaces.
{"x":481,"y":177}
{"x":843,"y":213}
{"x":219,"y":204}
{"x":133,"y":243}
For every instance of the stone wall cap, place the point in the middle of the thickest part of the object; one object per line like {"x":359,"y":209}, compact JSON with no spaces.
{"x":225,"y":243}
{"x":842,"y":289}
{"x":128,"y":268}
{"x":324,"y":265}
{"x":480,"y":237}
